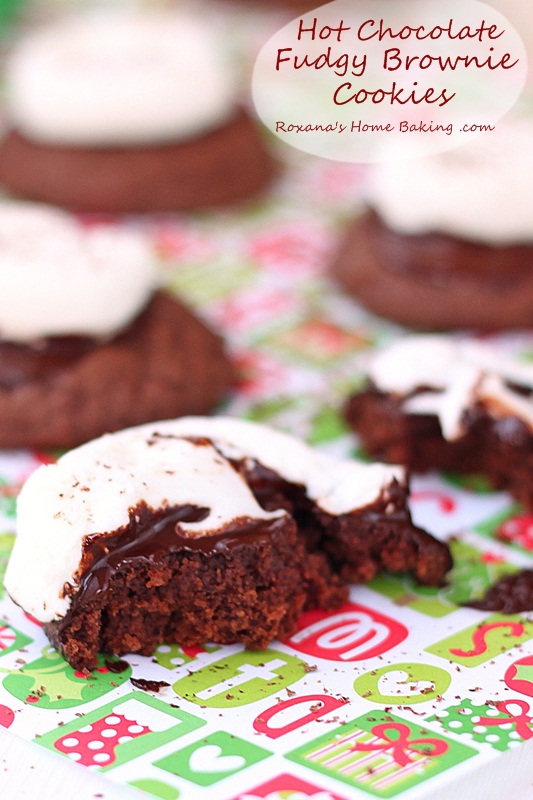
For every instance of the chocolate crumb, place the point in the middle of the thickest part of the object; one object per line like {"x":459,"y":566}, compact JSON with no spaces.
{"x":117,"y":666}
{"x":510,"y":595}
{"x":148,"y":686}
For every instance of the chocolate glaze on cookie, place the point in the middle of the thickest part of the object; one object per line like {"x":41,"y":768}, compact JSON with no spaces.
{"x":247,"y":583}
{"x":150,"y":584}
{"x":26,"y":363}
{"x":434,"y":280}
{"x":379,"y":536}
{"x":447,"y":241}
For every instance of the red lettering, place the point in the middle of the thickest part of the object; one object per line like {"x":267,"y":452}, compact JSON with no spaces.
{"x":327,"y":704}
{"x":351,"y":634}
{"x":479,"y":638}
{"x":323,"y":33}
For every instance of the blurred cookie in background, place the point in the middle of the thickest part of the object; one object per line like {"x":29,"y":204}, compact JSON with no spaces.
{"x":447,"y":241}
{"x":465,"y":405}
{"x":88,"y":343}
{"x":129,"y":111}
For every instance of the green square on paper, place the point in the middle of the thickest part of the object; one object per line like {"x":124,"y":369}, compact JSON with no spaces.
{"x":8,"y":10}
{"x":381,"y":754}
{"x":404,"y":591}
{"x":212,"y":759}
{"x":159,"y":722}
{"x":485,"y":723}
{"x":482,"y":642}
{"x":203,"y":283}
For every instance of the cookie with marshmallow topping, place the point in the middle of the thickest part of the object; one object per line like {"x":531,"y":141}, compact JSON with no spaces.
{"x":203,"y":529}
{"x":87,"y":342}
{"x":448,"y":239}
{"x":128,"y":110}
{"x":435,"y":402}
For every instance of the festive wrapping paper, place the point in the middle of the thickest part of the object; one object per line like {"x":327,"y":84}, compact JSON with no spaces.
{"x":402,"y":692}
{"x":397,"y":693}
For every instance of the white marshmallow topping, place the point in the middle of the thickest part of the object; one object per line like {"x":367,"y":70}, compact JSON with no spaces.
{"x":459,"y":373}
{"x":60,"y":278}
{"x":121,"y":77}
{"x":481,"y":192}
{"x":91,"y":490}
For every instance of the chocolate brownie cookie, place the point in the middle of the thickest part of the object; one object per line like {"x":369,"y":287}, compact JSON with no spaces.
{"x":199,"y":529}
{"x":437,"y":403}
{"x":449,"y":240}
{"x":88,"y":345}
{"x":222,"y":166}
{"x":128,"y":111}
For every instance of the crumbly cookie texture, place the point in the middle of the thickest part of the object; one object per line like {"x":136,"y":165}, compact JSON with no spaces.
{"x":201,"y":529}
{"x":442,"y":402}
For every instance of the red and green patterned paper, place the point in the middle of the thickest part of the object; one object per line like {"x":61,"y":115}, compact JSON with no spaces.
{"x":402,"y":692}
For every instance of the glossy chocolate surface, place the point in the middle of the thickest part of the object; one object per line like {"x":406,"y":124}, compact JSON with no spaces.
{"x":152,"y":535}
{"x":439,"y":256}
{"x":435,"y":281}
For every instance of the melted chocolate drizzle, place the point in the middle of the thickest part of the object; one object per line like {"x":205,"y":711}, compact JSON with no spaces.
{"x":150,"y":536}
